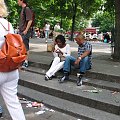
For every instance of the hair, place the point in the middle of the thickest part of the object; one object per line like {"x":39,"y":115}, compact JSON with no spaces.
{"x":24,"y":1}
{"x":80,"y":36}
{"x":61,"y":38}
{"x":3,"y":9}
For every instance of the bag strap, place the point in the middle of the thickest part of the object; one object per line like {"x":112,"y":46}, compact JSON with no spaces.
{"x":5,"y":28}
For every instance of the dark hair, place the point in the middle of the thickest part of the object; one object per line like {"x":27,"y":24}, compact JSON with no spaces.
{"x":24,"y":1}
{"x":61,"y":38}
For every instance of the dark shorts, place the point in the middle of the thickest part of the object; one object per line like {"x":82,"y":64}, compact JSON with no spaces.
{"x":26,"y":40}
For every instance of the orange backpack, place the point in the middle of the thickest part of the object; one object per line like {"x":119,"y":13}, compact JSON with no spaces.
{"x":13,"y":52}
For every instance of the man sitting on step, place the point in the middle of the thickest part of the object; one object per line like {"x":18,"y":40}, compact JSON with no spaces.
{"x":83,"y":60}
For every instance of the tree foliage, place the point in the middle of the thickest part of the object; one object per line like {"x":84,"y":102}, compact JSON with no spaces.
{"x":104,"y":20}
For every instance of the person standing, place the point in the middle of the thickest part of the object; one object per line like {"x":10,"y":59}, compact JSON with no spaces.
{"x":83,"y":61}
{"x":60,"y":51}
{"x":56,"y":29}
{"x":25,"y":26}
{"x":9,"y":80}
{"x":47,"y":29}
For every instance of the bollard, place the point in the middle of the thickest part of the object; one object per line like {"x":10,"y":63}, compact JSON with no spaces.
{"x":1,"y":111}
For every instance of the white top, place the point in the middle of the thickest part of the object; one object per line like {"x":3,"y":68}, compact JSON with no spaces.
{"x":47,"y":27}
{"x":57,"y":27}
{"x":3,"y":32}
{"x":66,"y":50}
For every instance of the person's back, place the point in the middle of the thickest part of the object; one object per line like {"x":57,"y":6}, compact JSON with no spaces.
{"x":9,"y":80}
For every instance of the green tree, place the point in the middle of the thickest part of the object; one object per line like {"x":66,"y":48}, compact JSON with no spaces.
{"x":13,"y":14}
{"x":104,"y":20}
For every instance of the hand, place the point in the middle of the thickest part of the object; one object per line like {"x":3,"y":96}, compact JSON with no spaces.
{"x":58,"y":51}
{"x":25,"y":32}
{"x":77,"y":61}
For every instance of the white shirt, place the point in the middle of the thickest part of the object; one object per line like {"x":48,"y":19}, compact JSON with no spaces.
{"x":66,"y":50}
{"x":57,"y":27}
{"x":47,"y":27}
{"x":3,"y":32}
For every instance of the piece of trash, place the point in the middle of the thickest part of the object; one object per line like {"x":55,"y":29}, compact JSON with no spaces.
{"x":39,"y":112}
{"x":36,"y":104}
{"x":93,"y":91}
{"x":29,"y":105}
{"x":24,"y":102}
{"x":22,"y":99}
{"x":51,"y":110}
{"x":114,"y":92}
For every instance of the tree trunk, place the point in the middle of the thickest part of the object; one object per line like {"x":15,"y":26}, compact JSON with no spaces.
{"x":73,"y":19}
{"x":116,"y":55}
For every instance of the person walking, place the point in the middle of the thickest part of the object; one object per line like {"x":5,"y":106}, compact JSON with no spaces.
{"x":47,"y":30}
{"x":25,"y":26}
{"x":83,"y":61}
{"x":9,"y":80}
{"x":60,"y":51}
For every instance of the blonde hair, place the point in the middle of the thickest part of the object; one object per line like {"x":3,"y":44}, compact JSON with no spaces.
{"x":3,"y":9}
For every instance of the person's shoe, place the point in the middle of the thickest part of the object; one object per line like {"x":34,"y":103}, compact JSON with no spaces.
{"x":54,"y":76}
{"x":79,"y":79}
{"x":25,"y":65}
{"x":47,"y":78}
{"x":64,"y":78}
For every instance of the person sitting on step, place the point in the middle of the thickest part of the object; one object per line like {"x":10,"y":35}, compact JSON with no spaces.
{"x":83,"y":60}
{"x":60,"y":51}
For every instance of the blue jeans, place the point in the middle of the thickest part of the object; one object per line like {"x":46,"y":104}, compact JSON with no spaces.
{"x":84,"y":64}
{"x":46,"y":33}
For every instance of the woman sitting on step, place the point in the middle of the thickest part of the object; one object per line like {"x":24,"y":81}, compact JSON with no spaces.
{"x":60,"y":51}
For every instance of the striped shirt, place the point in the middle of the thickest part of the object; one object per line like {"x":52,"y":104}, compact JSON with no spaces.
{"x":86,"y":46}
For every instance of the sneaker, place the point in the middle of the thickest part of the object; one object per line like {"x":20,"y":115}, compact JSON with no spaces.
{"x":64,"y":78}
{"x":79,"y":79}
{"x":47,"y":78}
{"x":25,"y":65}
{"x":54,"y":76}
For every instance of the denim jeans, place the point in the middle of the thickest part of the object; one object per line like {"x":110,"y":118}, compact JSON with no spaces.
{"x":46,"y":34}
{"x":84,"y":64}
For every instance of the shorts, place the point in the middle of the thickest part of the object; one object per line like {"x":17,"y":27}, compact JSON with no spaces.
{"x":26,"y":40}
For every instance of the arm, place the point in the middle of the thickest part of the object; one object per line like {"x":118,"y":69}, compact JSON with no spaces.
{"x":86,"y":53}
{"x":28,"y":27}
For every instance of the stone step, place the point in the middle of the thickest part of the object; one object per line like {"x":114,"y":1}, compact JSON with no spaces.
{"x":103,"y":99}
{"x":113,"y":86}
{"x":74,"y":109}
{"x":91,"y":74}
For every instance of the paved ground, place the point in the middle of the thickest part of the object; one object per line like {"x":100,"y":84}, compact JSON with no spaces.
{"x":39,"y":113}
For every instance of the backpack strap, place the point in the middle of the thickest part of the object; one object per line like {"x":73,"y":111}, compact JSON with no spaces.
{"x":5,"y":28}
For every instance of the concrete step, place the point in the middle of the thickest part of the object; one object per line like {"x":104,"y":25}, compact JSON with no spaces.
{"x":74,"y":109}
{"x":113,"y":86}
{"x":103,"y":100}
{"x":91,"y":73}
